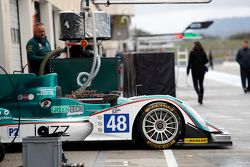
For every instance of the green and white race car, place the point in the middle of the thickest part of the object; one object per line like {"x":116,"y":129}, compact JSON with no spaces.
{"x":35,"y":108}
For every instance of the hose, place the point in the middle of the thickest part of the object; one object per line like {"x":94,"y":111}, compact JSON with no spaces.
{"x":95,"y":67}
{"x":55,"y":53}
{"x":98,"y":66}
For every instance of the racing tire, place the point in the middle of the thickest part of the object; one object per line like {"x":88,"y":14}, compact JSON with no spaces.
{"x":159,"y":126}
{"x":2,"y":152}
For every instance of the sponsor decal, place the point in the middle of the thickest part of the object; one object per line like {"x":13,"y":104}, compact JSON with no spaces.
{"x":196,"y":140}
{"x":77,"y":94}
{"x":40,"y":46}
{"x":69,"y":110}
{"x":46,"y":92}
{"x":116,"y":110}
{"x":25,"y":97}
{"x":82,"y":77}
{"x":161,"y":146}
{"x":13,"y":132}
{"x":66,"y":24}
{"x":45,"y":130}
{"x":59,"y":109}
{"x":116,"y":123}
{"x":75,"y":110}
{"x":4,"y":114}
{"x":45,"y":103}
{"x":160,"y":105}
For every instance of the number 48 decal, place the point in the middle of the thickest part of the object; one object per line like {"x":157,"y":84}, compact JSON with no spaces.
{"x":116,"y":123}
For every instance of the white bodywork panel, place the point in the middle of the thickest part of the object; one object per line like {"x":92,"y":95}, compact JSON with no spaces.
{"x":74,"y":131}
{"x":109,"y":124}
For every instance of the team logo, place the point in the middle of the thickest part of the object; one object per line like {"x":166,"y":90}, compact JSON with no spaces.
{"x":66,"y":24}
{"x":4,"y":114}
{"x":82,"y":78}
{"x":40,"y":45}
{"x":46,"y":103}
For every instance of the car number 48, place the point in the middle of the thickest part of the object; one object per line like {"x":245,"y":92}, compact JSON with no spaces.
{"x":116,"y":123}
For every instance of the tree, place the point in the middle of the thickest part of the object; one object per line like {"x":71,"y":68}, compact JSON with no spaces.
{"x":245,"y":35}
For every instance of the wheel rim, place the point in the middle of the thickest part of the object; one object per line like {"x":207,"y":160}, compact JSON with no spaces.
{"x":160,"y":126}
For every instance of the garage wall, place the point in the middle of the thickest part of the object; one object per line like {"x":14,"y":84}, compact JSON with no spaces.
{"x":5,"y":47}
{"x":26,"y":12}
{"x":15,"y":36}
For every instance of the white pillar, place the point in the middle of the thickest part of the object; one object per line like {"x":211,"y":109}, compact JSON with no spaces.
{"x":26,"y":13}
{"x":57,"y":28}
{"x":5,"y":36}
{"x":47,"y":18}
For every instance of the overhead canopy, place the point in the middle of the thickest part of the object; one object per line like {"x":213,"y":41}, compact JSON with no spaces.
{"x":200,"y":25}
{"x":149,"y":1}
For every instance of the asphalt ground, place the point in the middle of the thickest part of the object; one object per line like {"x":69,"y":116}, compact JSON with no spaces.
{"x":225,"y":104}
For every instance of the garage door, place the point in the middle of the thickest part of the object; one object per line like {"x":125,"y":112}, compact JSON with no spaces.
{"x":15,"y":35}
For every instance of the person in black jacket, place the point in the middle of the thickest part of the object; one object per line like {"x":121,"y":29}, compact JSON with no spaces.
{"x":243,"y":58}
{"x":196,"y":62}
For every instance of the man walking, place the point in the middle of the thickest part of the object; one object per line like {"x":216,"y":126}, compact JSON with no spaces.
{"x":243,"y":58}
{"x":37,"y":48}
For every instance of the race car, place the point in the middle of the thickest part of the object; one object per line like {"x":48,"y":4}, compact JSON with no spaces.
{"x":32,"y":106}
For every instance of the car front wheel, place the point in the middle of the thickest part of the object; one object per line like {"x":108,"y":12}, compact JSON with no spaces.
{"x":159,"y":125}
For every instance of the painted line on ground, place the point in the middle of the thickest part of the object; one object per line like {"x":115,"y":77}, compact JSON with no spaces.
{"x":222,"y":77}
{"x":103,"y":161}
{"x":100,"y":159}
{"x":169,"y":156}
